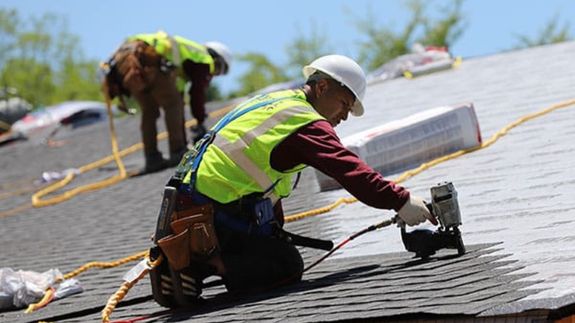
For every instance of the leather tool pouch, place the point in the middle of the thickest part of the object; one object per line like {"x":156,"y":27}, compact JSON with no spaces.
{"x":193,"y":239}
{"x":137,"y":65}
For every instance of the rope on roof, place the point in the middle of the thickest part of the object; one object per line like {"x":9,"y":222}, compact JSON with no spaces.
{"x":49,"y":293}
{"x":37,"y":200}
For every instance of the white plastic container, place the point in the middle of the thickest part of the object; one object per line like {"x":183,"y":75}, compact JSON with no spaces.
{"x":407,"y":143}
{"x":430,"y":68}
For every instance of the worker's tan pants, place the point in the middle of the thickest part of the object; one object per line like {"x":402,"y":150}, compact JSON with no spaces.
{"x":138,"y":66}
{"x":161,"y":92}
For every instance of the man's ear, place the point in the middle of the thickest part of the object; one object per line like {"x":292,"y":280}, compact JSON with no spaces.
{"x":321,"y":87}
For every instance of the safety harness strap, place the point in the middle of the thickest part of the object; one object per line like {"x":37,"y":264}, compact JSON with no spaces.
{"x":191,"y":162}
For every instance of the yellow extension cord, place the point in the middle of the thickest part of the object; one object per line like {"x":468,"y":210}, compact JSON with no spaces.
{"x":125,"y":287}
{"x":123,"y":290}
{"x":36,"y":198}
{"x":95,"y":264}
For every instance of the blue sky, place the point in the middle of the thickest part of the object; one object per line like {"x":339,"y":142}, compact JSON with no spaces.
{"x":267,"y":26}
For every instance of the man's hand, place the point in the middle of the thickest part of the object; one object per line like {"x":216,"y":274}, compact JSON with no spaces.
{"x":123,"y":106}
{"x":415,"y":212}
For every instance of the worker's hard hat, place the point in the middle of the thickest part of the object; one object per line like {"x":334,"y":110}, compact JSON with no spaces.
{"x":344,"y":70}
{"x":222,"y":50}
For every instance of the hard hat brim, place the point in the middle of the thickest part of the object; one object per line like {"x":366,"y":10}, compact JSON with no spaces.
{"x":357,"y":109}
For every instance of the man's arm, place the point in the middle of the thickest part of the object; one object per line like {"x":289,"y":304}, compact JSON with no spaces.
{"x":317,"y":145}
{"x":200,"y":77}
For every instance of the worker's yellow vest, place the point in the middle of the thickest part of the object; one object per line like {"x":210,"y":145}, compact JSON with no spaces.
{"x":237,"y":163}
{"x":176,"y":49}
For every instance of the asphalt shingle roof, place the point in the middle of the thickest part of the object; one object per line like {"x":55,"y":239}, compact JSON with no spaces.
{"x":517,"y":193}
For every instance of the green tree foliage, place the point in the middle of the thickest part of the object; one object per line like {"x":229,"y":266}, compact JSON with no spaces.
{"x":305,"y":48}
{"x":383,"y":44}
{"x":213,"y":93}
{"x":8,"y":23}
{"x":42,"y":60}
{"x":447,"y":29}
{"x":550,"y":34}
{"x":261,"y":72}
{"x":32,"y":79}
{"x":75,"y":76}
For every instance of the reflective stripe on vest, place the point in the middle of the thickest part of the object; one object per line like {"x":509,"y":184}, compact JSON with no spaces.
{"x":238,"y":159}
{"x":176,"y":58}
{"x":235,"y":150}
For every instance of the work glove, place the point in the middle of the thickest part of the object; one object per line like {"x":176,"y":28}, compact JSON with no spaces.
{"x":415,"y":212}
{"x":124,"y":106}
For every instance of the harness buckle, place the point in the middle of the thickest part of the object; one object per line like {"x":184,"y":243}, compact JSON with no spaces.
{"x":189,"y":159}
{"x":263,"y":211}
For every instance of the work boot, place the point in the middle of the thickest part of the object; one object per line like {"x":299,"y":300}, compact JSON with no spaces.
{"x":161,"y":280}
{"x":198,"y":132}
{"x":175,"y":288}
{"x":187,"y":285}
{"x":154,"y":163}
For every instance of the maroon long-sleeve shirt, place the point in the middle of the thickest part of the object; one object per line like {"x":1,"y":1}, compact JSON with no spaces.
{"x":317,"y":145}
{"x":199,"y":75}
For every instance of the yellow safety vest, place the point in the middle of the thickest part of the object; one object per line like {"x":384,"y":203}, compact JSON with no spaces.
{"x":237,"y":163}
{"x":176,"y":49}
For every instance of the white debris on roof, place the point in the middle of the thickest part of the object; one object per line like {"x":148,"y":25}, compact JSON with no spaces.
{"x":421,"y":60}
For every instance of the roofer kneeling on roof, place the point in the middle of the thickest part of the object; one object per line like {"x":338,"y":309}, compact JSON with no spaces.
{"x":239,"y":172}
{"x":154,"y":69}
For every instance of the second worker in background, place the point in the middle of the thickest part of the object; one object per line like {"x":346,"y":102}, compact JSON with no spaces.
{"x":154,"y":69}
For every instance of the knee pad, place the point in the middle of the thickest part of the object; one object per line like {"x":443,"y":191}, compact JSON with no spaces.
{"x":171,"y":288}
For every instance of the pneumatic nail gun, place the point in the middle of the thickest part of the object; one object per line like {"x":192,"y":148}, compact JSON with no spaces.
{"x":445,"y":207}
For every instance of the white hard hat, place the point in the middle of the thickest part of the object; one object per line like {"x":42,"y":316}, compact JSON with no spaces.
{"x":221,"y":50}
{"x":344,"y":70}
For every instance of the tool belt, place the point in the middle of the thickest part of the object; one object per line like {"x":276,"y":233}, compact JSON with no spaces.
{"x":133,"y":67}
{"x":185,"y":233}
{"x":254,"y":215}
{"x":193,"y":238}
